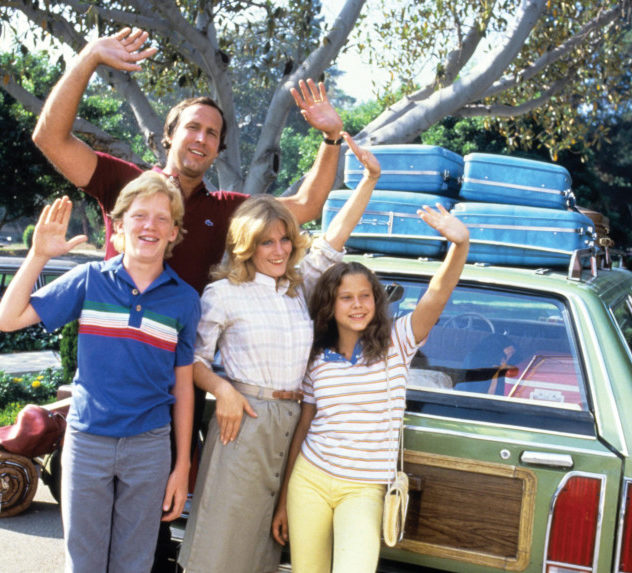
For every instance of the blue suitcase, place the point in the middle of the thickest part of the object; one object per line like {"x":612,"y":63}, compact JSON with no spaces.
{"x":390,"y":223}
{"x":516,"y":181}
{"x":519,"y":235}
{"x":422,"y":168}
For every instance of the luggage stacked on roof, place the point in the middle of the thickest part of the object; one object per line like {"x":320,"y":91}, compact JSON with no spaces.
{"x":519,"y":211}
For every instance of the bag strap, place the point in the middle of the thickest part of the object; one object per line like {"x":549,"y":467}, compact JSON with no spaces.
{"x":400,"y":437}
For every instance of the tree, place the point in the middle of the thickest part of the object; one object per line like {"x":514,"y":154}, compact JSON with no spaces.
{"x":494,"y":59}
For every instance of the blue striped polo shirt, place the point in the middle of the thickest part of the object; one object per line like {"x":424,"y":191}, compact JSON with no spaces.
{"x":129,"y":343}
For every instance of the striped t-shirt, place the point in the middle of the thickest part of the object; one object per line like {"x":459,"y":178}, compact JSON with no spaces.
{"x":351,"y":436}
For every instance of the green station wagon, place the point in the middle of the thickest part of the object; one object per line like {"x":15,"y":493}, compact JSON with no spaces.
{"x":517,"y":431}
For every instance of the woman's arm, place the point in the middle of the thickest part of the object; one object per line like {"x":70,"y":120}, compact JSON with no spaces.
{"x":230,"y":404}
{"x":279,"y":521}
{"x":178,"y":483}
{"x":49,"y":240}
{"x":432,"y":303}
{"x":347,"y":218}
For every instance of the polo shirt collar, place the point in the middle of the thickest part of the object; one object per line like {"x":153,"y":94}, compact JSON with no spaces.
{"x":115,"y":265}
{"x":332,"y":356}
{"x":263,"y":279}
{"x":200,"y":188}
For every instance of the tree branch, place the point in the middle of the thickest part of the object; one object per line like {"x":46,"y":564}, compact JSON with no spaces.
{"x":264,"y":167}
{"x":98,"y":138}
{"x":503,"y":110}
{"x":600,"y":21}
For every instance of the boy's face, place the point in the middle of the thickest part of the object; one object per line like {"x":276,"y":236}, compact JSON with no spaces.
{"x":148,"y":227}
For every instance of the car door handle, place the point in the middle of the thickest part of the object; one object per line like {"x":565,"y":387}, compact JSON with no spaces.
{"x":546,"y":459}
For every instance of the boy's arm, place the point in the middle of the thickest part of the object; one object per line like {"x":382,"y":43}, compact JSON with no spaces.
{"x":307,"y":203}
{"x":49,"y":240}
{"x":178,"y":483}
{"x":74,"y":159}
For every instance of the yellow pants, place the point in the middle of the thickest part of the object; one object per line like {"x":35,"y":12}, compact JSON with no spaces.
{"x":324,"y":511}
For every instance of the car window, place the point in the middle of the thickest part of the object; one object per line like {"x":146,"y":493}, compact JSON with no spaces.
{"x":622,"y":312}
{"x":502,"y":345}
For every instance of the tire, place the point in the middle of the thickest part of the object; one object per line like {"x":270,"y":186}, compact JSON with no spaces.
{"x":18,"y":483}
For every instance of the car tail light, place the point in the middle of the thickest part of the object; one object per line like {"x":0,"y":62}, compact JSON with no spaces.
{"x":573,"y":525}
{"x":625,"y":554}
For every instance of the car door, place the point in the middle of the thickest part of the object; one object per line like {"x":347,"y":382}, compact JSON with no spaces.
{"x":506,"y":467}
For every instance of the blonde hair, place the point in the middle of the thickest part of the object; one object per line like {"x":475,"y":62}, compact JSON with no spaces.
{"x":249,"y":224}
{"x":147,"y":184}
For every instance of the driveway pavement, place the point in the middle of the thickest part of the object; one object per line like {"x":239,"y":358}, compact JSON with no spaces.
{"x":33,"y":541}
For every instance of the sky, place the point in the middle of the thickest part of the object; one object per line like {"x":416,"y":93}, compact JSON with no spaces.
{"x":357,"y":76}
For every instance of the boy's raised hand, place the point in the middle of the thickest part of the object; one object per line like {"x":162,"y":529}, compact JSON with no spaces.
{"x":49,"y":238}
{"x":453,"y":229}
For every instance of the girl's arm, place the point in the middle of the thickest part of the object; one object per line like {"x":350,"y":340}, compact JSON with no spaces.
{"x":178,"y":483}
{"x":347,"y":218}
{"x":279,"y":521}
{"x":49,"y":240}
{"x":432,"y":303}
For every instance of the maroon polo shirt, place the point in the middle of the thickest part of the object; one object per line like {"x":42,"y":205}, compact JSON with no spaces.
{"x":206,"y":219}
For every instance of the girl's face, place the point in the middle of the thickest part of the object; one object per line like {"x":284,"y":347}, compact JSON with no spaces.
{"x":273,"y":251}
{"x":354,"y":307}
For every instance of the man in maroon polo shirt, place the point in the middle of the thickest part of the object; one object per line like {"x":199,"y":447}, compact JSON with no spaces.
{"x":194,"y":136}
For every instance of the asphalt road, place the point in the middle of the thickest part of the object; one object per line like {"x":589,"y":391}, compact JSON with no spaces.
{"x":33,"y":540}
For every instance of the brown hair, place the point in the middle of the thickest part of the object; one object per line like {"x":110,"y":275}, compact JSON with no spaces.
{"x":173,"y":117}
{"x":249,"y":224}
{"x":147,"y":184}
{"x":376,"y":338}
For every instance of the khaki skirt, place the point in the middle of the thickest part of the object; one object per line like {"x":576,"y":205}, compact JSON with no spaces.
{"x":236,"y":492}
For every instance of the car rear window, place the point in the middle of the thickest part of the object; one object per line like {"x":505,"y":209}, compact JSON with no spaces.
{"x":501,"y":345}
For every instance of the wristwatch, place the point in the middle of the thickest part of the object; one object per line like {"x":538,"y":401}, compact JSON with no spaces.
{"x":333,"y":141}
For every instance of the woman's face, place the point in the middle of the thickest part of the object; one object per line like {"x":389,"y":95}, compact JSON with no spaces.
{"x":354,"y":307}
{"x":273,"y":251}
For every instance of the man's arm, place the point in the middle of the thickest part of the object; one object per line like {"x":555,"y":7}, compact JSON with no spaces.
{"x":73,"y":158}
{"x":307,"y":203}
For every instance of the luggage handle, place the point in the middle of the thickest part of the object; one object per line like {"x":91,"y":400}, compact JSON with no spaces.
{"x":570,"y":198}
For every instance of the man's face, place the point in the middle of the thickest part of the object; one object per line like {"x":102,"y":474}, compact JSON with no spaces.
{"x":195,"y":141}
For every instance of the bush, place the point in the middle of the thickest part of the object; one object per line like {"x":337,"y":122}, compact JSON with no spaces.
{"x":9,"y":415}
{"x":31,"y":338}
{"x":27,"y":236}
{"x":68,"y":350}
{"x":29,"y":388}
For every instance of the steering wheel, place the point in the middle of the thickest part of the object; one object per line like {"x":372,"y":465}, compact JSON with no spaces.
{"x":466,"y":320}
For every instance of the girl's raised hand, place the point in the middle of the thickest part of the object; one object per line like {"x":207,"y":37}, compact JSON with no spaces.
{"x":370,"y":162}
{"x":453,"y":229}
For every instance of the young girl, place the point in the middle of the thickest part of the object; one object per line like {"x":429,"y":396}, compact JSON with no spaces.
{"x":256,"y":315}
{"x":342,"y":451}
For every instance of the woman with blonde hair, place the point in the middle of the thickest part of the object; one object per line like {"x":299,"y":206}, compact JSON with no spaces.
{"x":256,"y":315}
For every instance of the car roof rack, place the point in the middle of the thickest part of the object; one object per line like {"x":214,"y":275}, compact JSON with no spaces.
{"x":598,"y":257}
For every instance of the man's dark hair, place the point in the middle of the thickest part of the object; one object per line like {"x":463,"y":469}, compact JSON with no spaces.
{"x":173,"y":117}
